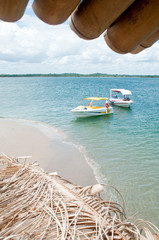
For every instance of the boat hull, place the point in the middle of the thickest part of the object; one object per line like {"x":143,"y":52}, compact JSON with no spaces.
{"x":121,"y":102}
{"x":83,"y":111}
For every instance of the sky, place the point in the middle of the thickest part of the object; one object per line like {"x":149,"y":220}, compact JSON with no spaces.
{"x":32,"y":46}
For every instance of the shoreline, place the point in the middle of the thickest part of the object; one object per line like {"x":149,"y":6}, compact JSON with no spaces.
{"x":17,"y":138}
{"x":104,"y":75}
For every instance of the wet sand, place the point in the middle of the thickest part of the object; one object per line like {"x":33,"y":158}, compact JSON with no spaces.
{"x":53,"y":155}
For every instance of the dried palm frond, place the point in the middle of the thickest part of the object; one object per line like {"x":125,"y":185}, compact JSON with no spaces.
{"x":39,"y":205}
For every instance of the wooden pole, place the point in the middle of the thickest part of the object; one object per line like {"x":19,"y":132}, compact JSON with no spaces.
{"x":54,"y":12}
{"x":93,"y":17}
{"x":138,"y":23}
{"x":147,"y":43}
{"x":12,"y":10}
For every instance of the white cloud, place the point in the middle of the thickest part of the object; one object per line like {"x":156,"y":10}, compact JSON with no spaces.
{"x":31,"y":46}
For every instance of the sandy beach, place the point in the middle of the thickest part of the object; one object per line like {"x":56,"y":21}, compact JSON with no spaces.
{"x":53,"y":155}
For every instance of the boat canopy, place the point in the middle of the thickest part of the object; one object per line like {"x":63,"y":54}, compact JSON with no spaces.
{"x":123,"y":91}
{"x":95,"y":98}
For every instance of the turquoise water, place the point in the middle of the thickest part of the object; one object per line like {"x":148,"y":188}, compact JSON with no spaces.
{"x":123,"y":149}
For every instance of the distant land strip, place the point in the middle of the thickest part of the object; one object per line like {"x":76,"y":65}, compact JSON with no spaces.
{"x":77,"y":75}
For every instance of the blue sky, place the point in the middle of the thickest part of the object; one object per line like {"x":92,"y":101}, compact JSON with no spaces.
{"x":31,"y":46}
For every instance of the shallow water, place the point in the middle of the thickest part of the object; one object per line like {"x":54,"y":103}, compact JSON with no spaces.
{"x":123,"y":148}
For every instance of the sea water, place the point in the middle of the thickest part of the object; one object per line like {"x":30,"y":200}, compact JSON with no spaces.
{"x":122,"y":149}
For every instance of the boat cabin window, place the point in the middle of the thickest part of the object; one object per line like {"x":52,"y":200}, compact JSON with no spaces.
{"x":126,"y":98}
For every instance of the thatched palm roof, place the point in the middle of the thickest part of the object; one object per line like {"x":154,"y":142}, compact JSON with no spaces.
{"x":39,"y":205}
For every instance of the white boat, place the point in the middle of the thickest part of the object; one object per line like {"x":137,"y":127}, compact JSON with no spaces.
{"x":120,"y":97}
{"x":90,"y":110}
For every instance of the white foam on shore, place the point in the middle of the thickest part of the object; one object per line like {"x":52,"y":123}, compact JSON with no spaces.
{"x":56,"y":133}
{"x":94,"y":166}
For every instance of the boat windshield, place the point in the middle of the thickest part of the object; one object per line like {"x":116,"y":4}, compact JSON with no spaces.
{"x":95,"y":103}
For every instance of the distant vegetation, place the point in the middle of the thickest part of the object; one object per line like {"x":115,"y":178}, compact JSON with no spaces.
{"x":77,"y":75}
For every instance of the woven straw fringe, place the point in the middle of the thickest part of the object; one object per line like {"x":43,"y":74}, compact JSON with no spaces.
{"x":39,"y":205}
